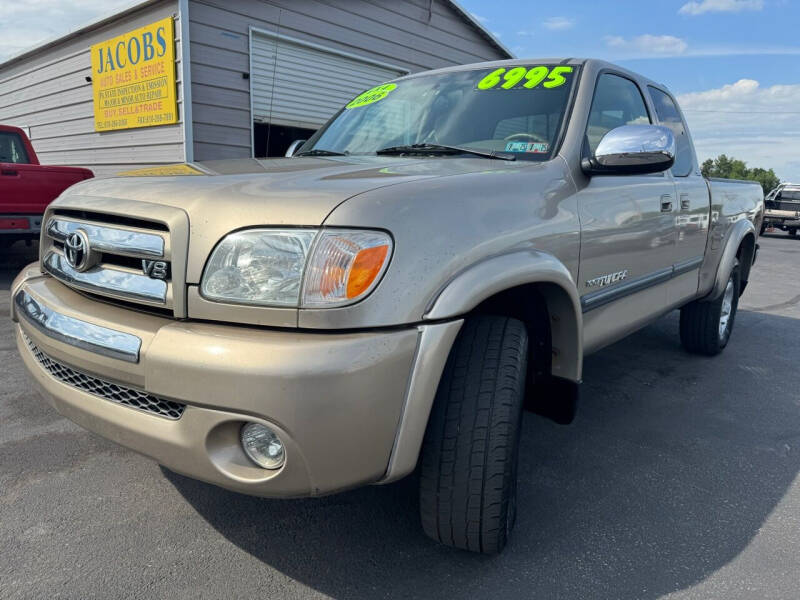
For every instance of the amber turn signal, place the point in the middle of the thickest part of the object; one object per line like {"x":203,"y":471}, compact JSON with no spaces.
{"x":365,"y":269}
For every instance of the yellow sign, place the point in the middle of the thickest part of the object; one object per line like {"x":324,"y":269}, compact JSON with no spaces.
{"x":166,"y":170}
{"x":133,"y":78}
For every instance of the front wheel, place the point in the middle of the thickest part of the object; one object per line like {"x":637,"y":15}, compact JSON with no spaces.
{"x":706,"y":326}
{"x":468,"y":475}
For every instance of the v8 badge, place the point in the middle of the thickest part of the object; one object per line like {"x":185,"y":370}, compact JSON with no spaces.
{"x":155,"y":269}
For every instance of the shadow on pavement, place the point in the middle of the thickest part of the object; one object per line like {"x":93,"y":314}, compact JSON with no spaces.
{"x":672,"y":466}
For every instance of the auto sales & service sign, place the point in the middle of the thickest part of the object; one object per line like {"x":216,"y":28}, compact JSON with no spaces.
{"x":133,"y":78}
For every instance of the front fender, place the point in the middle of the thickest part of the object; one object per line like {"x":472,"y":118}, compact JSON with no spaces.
{"x":739,"y":231}
{"x":471,"y":286}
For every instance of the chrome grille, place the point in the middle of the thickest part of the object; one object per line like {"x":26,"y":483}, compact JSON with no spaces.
{"x":116,"y":257}
{"x":112,"y":392}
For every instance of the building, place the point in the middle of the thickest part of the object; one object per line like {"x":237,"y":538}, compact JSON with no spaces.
{"x":250,"y":76}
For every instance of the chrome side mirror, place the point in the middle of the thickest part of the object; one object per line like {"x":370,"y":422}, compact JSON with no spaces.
{"x":633,"y":149}
{"x":294,"y":147}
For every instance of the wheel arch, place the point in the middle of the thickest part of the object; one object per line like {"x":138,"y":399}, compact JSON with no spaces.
{"x":506,"y":281}
{"x":740,"y":246}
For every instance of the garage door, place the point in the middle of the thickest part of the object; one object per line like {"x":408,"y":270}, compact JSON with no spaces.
{"x":296,"y":84}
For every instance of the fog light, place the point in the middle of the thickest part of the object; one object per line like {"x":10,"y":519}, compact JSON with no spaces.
{"x":262,"y":446}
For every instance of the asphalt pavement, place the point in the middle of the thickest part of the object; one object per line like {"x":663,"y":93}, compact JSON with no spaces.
{"x":679,"y":479}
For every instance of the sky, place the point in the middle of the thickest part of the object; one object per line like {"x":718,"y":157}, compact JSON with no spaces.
{"x":734,"y":64}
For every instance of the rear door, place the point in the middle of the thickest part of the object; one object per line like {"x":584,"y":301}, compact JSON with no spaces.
{"x":693,"y":208}
{"x":627,"y":225}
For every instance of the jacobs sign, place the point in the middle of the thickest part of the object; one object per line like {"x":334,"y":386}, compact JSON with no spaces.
{"x":133,"y":78}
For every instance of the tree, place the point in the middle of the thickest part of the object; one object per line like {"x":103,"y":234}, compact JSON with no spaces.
{"x":731,"y":168}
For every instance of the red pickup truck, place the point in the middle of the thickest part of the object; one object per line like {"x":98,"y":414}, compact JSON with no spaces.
{"x":26,"y":187}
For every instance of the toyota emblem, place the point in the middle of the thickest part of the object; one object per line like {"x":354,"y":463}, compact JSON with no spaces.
{"x":76,"y":250}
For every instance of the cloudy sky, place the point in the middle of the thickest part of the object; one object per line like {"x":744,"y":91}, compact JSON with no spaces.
{"x":735,"y":64}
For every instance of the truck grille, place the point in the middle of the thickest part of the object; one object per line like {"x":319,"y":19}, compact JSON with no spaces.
{"x":112,"y":392}
{"x":121,"y":259}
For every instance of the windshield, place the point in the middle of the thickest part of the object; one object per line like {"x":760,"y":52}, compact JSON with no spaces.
{"x":515,"y":109}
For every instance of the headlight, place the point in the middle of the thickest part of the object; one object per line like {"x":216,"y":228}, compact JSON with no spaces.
{"x":281,"y":267}
{"x":259,"y":266}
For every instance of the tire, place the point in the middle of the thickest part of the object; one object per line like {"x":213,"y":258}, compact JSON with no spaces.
{"x":793,"y":232}
{"x":706,"y":326}
{"x":468,"y":473}
{"x":763,"y":229}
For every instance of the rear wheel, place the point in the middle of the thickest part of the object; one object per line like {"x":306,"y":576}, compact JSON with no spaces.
{"x":468,"y":478}
{"x":793,"y":232}
{"x":706,"y":326}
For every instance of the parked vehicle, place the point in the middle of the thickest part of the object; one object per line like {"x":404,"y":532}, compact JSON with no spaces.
{"x":447,"y":248}
{"x":26,"y":187}
{"x":782,"y":208}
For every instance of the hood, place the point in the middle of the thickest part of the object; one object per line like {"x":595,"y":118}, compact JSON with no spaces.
{"x":219,"y":197}
{"x":279,"y":191}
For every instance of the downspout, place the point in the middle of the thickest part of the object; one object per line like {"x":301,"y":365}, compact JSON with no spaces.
{"x":186,"y":82}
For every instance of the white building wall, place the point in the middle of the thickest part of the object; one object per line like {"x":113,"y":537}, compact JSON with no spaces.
{"x":47,"y":94}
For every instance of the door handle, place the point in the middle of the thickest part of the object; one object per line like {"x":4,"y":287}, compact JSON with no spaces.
{"x":685,"y":204}
{"x":666,"y":203}
{"x":9,"y":172}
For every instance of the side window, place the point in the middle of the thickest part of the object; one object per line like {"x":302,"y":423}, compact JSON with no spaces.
{"x":617,"y":101}
{"x":669,"y":116}
{"x":11,"y":148}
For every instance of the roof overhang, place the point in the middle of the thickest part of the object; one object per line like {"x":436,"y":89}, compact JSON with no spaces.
{"x":471,"y":20}
{"x":106,"y":19}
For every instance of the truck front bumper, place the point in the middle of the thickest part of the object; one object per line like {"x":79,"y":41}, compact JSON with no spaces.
{"x":349,"y":408}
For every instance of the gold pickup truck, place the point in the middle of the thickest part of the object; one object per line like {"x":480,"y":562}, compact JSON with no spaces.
{"x":447,"y":246}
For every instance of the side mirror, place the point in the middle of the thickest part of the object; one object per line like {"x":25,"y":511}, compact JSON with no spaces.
{"x":632,"y":149}
{"x":294,"y":147}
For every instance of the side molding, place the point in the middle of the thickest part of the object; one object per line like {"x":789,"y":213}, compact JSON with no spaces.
{"x":482,"y":280}
{"x":738,"y":232}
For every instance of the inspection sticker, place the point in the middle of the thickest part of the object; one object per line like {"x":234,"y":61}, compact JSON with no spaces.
{"x":533,"y":147}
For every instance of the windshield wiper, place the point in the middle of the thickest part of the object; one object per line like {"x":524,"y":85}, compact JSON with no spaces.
{"x":442,"y":149}
{"x":320,"y":152}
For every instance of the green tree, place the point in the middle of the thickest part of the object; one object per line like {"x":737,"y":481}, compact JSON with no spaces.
{"x":731,"y":168}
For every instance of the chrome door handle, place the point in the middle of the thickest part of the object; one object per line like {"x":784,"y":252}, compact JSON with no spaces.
{"x":685,"y":204}
{"x":666,"y":203}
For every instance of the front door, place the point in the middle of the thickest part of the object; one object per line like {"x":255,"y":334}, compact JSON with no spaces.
{"x":627,"y":228}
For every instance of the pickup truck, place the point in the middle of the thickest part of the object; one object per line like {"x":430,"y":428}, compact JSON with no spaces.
{"x":26,"y":187}
{"x":782,"y":208}
{"x":441,"y":254}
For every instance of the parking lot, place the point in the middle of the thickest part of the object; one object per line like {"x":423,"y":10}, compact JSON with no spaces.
{"x":679,"y":479}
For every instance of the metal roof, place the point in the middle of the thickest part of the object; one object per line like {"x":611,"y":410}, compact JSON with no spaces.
{"x":139,"y":4}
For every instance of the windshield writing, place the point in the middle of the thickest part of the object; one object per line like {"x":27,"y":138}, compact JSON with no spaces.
{"x":517,"y":109}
